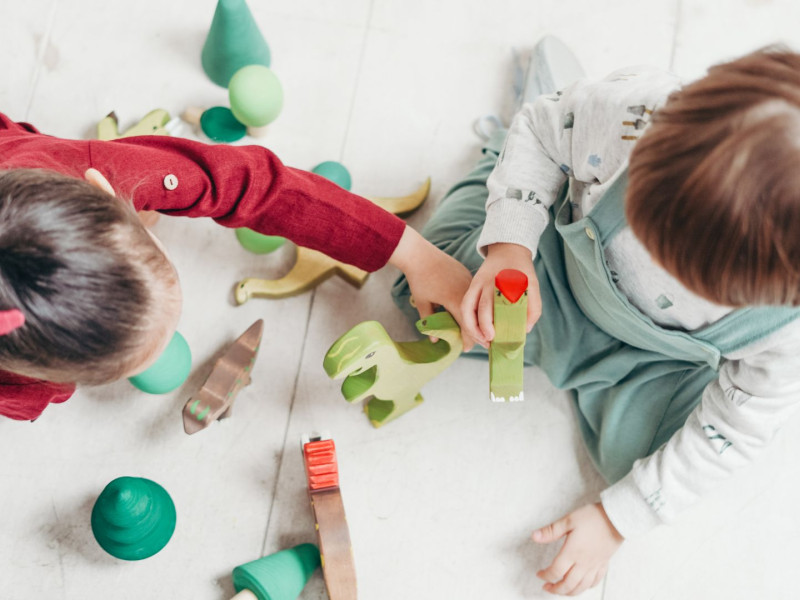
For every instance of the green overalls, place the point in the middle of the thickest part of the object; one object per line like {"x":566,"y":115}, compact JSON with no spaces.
{"x":634,"y":383}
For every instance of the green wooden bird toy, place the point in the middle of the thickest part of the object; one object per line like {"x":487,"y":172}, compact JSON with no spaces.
{"x":392,"y":373}
{"x":153,"y":123}
{"x":506,"y":350}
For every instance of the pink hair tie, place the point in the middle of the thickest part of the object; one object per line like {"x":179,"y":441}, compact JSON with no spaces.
{"x":10,"y":320}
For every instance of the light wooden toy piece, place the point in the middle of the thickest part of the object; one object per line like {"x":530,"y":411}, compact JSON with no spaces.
{"x":333,"y":535}
{"x":230,"y":374}
{"x":404,"y":205}
{"x":153,"y":123}
{"x":506,"y":349}
{"x":392,"y":373}
{"x":310,"y":269}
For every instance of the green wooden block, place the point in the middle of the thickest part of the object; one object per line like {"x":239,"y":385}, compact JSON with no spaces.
{"x":506,"y":352}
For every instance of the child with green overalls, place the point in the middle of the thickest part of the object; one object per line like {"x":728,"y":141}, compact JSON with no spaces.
{"x":658,"y":227}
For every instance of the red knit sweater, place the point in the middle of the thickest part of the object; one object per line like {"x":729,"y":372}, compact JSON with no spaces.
{"x":237,"y":186}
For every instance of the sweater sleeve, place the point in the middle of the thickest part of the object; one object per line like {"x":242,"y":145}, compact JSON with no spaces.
{"x":584,"y":132}
{"x":248,"y":186}
{"x":758,"y":389}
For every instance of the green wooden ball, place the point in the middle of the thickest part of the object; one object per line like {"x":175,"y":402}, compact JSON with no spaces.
{"x":219,"y":124}
{"x":336,"y":172}
{"x":258,"y":243}
{"x":169,"y":371}
{"x":256,"y":95}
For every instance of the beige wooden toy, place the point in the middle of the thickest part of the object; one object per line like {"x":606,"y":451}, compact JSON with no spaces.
{"x":333,"y":535}
{"x":312,"y":267}
{"x":230,"y":374}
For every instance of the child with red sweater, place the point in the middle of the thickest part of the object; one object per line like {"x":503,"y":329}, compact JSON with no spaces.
{"x":87,"y":294}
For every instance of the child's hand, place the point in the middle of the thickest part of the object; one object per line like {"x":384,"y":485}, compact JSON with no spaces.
{"x":591,"y":540}
{"x":435,"y":278}
{"x":478,"y":303}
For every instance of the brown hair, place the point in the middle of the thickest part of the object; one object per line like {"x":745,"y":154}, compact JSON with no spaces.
{"x":85,"y":273}
{"x":714,"y":183}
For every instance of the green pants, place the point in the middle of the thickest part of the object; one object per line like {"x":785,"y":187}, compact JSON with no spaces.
{"x":629,"y":399}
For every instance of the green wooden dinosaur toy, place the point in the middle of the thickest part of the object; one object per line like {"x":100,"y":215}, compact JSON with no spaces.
{"x":153,"y":123}
{"x":393,"y":373}
{"x":506,"y":349}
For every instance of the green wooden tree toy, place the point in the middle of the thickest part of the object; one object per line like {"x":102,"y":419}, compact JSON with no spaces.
{"x":234,"y":41}
{"x":392,"y":373}
{"x":279,"y":576}
{"x":507,"y":348}
{"x":133,"y":518}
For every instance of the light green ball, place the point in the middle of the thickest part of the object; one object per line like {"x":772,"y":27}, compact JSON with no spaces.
{"x":169,"y":371}
{"x":256,"y":95}
{"x":336,"y":172}
{"x":258,"y":243}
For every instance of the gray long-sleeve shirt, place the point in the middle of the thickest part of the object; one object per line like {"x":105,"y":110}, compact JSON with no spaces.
{"x":586,"y":132}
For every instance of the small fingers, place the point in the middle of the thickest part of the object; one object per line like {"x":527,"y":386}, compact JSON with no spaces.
{"x":468,"y":316}
{"x":585,"y":583}
{"x":552,"y":532}
{"x":486,"y":313}
{"x":568,"y":583}
{"x":556,"y":571}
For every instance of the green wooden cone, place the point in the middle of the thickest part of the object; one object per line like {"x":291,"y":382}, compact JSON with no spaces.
{"x":133,"y":518}
{"x":279,"y":576}
{"x":234,"y":41}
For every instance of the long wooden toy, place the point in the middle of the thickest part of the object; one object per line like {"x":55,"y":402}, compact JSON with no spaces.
{"x":153,"y":123}
{"x":333,"y":534}
{"x":392,"y":373}
{"x":507,"y":347}
{"x":312,"y":268}
{"x":230,"y":374}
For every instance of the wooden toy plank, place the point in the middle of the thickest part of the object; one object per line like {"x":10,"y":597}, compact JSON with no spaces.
{"x":335,"y":547}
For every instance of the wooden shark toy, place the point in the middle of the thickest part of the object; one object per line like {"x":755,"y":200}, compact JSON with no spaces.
{"x":392,"y":373}
{"x":312,"y":268}
{"x":333,"y":534}
{"x":506,"y":349}
{"x":230,"y":374}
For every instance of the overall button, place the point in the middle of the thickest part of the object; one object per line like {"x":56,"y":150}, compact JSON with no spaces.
{"x":589,"y":233}
{"x":170,"y":182}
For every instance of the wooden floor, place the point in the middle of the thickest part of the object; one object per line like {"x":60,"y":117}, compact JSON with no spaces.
{"x":440,"y":503}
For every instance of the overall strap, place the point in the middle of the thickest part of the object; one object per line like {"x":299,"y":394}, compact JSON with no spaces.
{"x":609,"y":212}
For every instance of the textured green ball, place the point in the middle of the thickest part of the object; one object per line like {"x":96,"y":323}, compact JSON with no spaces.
{"x":336,"y":172}
{"x":256,"y":95}
{"x":133,"y":518}
{"x":219,"y":124}
{"x":258,"y":243}
{"x":169,"y":371}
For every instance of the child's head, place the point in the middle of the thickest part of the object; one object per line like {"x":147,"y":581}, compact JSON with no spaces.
{"x":714,"y":183}
{"x":99,"y":296}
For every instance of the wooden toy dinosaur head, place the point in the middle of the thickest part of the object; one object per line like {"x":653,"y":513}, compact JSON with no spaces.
{"x":357,"y":353}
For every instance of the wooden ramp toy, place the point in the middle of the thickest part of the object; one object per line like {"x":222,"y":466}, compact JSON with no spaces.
{"x":230,"y":374}
{"x":333,"y":534}
{"x":392,"y":373}
{"x":312,"y":268}
{"x":507,"y":348}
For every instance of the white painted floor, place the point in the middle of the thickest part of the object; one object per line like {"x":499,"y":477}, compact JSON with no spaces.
{"x":442,"y":502}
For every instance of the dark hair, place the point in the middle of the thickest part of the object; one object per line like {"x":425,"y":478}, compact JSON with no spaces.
{"x":75,"y":261}
{"x":714,"y":183}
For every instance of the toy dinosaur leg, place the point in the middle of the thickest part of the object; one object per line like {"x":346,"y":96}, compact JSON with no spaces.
{"x":381,"y":412}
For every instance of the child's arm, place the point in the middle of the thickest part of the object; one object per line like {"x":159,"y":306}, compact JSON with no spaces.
{"x":740,"y":413}
{"x":584,"y":132}
{"x":248,"y":186}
